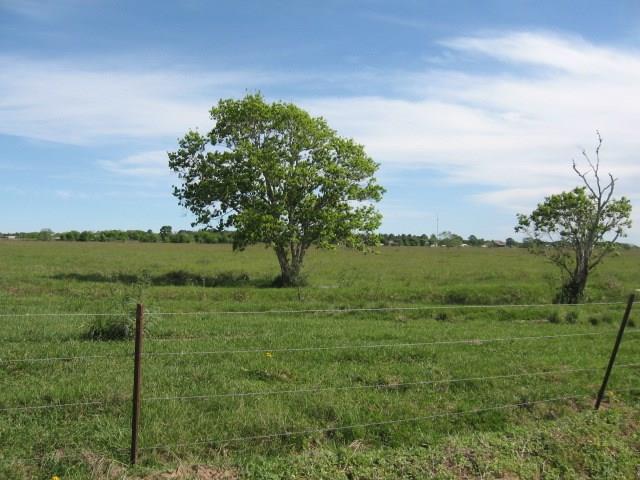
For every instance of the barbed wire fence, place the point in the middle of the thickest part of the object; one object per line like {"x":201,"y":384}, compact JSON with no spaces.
{"x":138,"y":355}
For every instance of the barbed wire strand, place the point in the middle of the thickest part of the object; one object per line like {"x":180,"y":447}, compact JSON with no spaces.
{"x":369,"y":424}
{"x":382,"y":385}
{"x":345,"y":427}
{"x":320,"y":389}
{"x":225,"y":338}
{"x":473,"y":341}
{"x":51,"y":405}
{"x":327,"y":310}
{"x":74,"y":452}
{"x":67,"y":314}
{"x":381,"y":309}
{"x":60,"y":359}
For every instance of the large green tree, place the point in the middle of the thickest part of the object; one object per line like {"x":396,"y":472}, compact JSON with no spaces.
{"x":279,"y":176}
{"x":577,"y":229}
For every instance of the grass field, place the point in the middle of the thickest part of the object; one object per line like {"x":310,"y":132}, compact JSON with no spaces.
{"x":376,"y":376}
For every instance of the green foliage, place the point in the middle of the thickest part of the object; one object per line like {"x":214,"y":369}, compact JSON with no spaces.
{"x":575,"y":216}
{"x":278,"y":176}
{"x":166,"y":232}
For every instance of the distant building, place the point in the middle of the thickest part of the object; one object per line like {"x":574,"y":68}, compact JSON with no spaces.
{"x":498,"y":243}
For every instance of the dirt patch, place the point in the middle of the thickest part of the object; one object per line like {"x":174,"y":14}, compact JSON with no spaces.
{"x":104,"y":468}
{"x":194,"y":472}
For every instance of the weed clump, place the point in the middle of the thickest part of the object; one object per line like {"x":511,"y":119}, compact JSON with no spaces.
{"x":555,"y":317}
{"x":441,"y":316}
{"x":118,"y":320}
{"x":116,"y":327}
{"x":572,"y":317}
{"x":607,"y":318}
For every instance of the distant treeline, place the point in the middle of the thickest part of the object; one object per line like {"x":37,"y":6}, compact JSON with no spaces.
{"x":444,"y":239}
{"x":167,"y":235}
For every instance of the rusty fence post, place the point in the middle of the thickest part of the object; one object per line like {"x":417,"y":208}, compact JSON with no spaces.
{"x":137,"y":382}
{"x":614,"y":353}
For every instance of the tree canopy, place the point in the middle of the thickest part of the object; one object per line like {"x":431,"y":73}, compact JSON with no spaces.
{"x":277,"y":175}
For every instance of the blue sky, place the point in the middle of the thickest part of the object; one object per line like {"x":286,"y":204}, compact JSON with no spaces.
{"x":474,"y":109}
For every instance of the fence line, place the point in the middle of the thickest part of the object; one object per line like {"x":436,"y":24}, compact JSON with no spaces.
{"x":369,"y":424}
{"x":313,"y":389}
{"x":318,"y":389}
{"x":51,"y":405}
{"x":382,"y":309}
{"x":302,"y":311}
{"x":239,"y":336}
{"x":330,"y":429}
{"x":65,"y":314}
{"x":382,"y":385}
{"x":472,"y":341}
{"x":62,"y":359}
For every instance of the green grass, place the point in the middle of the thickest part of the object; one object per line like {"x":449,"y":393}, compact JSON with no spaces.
{"x":566,"y":437}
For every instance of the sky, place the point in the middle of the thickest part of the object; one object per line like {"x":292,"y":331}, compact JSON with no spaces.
{"x":474,"y":110}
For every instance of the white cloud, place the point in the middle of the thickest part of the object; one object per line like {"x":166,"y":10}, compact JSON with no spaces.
{"x":563,"y":52}
{"x":515,"y":130}
{"x":75,"y":104}
{"x":70,"y":194}
{"x":145,"y":164}
{"x":33,"y":9}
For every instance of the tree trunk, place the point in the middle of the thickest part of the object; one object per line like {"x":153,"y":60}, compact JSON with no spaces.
{"x":290,"y":266}
{"x":573,"y":289}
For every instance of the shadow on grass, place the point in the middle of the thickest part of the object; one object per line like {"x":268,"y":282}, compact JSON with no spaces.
{"x":172,"y":278}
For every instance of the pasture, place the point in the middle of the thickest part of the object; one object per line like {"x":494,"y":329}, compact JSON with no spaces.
{"x":492,"y":392}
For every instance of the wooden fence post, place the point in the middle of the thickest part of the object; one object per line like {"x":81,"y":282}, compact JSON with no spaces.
{"x":614,"y":353}
{"x":137,"y":382}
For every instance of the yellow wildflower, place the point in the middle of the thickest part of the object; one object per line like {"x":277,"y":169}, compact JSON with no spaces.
{"x":55,"y":477}
{"x":268,"y":354}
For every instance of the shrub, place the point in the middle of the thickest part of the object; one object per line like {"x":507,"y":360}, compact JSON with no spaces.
{"x":441,"y":316}
{"x":118,"y":322}
{"x":555,"y":317}
{"x":572,"y":316}
{"x":116,"y":327}
{"x":456,"y":297}
{"x":607,"y":318}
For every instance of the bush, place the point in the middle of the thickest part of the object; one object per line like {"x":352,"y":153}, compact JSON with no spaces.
{"x":119,"y":322}
{"x":555,"y":317}
{"x":441,"y":316}
{"x":116,"y":327}
{"x":572,"y":316}
{"x":607,"y":318}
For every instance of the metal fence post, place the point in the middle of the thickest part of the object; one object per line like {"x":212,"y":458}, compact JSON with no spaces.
{"x":137,"y":382}
{"x":616,"y":346}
